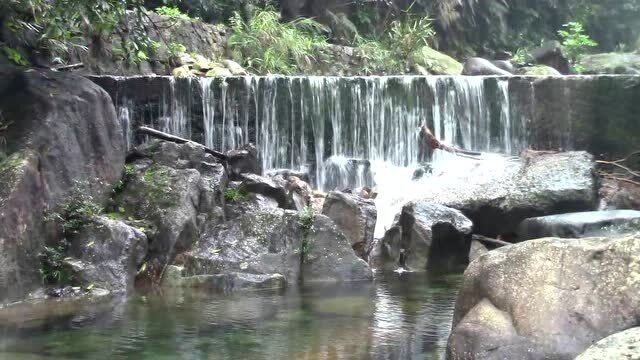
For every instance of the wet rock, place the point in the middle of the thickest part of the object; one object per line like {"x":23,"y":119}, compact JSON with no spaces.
{"x":611,"y":63}
{"x":175,"y":189}
{"x":272,"y":243}
{"x":354,"y":216}
{"x":622,"y":345}
{"x":222,"y":283}
{"x":538,"y":70}
{"x":257,"y":184}
{"x":615,"y":194}
{"x":579,"y":225}
{"x":476,"y":250}
{"x":435,"y":62}
{"x":62,"y":135}
{"x":479,"y":66}
{"x":425,"y":235}
{"x":498,"y":195}
{"x":234,"y":67}
{"x":243,"y":160}
{"x":550,"y":54}
{"x":546,"y":299}
{"x":107,"y":254}
{"x":317,"y":201}
{"x":505,"y":65}
{"x":347,"y":174}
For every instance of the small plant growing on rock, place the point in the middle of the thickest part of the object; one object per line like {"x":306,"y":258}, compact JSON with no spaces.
{"x":78,"y":210}
{"x":53,"y":269}
{"x":306,"y":218}
{"x":235,"y":195}
{"x":575,"y":42}
{"x":173,"y":12}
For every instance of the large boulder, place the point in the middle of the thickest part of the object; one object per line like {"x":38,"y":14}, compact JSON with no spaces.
{"x":611,"y":63}
{"x":546,"y":299}
{"x":424,"y":236}
{"x":243,"y":160}
{"x":107,"y":254}
{"x":176,"y":190}
{"x":62,"y":134}
{"x":497,"y":194}
{"x":355,"y":217}
{"x":622,"y":345}
{"x":551,"y":54}
{"x":435,"y":62}
{"x":479,"y":66}
{"x":580,"y":225}
{"x":267,"y":245}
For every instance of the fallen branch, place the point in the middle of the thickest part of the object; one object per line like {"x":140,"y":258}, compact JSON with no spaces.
{"x":67,"y":67}
{"x":178,"y":140}
{"x":628,"y":175}
{"x":434,"y":144}
{"x":491,"y":241}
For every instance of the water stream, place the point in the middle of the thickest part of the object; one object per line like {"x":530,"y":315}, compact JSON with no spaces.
{"x":397,"y":317}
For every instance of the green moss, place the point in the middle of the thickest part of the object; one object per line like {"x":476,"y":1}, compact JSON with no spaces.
{"x":435,"y":62}
{"x":235,"y":195}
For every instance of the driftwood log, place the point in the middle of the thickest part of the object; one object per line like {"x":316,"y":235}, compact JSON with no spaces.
{"x":431,"y":143}
{"x":490,"y":241}
{"x":176,"y":139}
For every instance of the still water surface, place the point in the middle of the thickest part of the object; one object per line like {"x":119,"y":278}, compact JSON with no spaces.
{"x":404,"y":316}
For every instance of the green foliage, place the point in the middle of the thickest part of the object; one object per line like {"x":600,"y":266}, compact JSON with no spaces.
{"x":391,"y":54}
{"x":409,"y":35}
{"x":175,"y":49}
{"x":268,"y":46}
{"x":172,"y":12}
{"x":53,"y":270}
{"x":158,"y":182}
{"x":15,"y":56}
{"x":307,"y":218}
{"x":520,"y":57}
{"x":575,"y":42}
{"x":235,"y":195}
{"x":58,"y":27}
{"x":78,"y":210}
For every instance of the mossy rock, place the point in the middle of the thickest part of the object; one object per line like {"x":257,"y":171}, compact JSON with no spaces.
{"x":538,"y":70}
{"x":611,"y":63}
{"x":218,"y":71}
{"x":435,"y":62}
{"x":182,"y":71}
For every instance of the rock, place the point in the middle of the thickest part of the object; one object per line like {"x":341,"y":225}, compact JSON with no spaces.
{"x":257,"y":184}
{"x":546,"y":299}
{"x":63,"y":134}
{"x":218,"y":71}
{"x":425,"y":236}
{"x":550,"y":54}
{"x":611,"y":63}
{"x":538,"y":70}
{"x":498,"y":194}
{"x":222,"y":283}
{"x":243,"y":160}
{"x":615,"y":194}
{"x":420,"y":70}
{"x":182,"y":71}
{"x":176,"y":189}
{"x":476,"y":250}
{"x":287,"y":173}
{"x":107,"y":253}
{"x":234,"y":67}
{"x":622,"y":345}
{"x":435,"y":62}
{"x":202,"y":63}
{"x":343,"y":173}
{"x":343,"y":31}
{"x":580,"y":225}
{"x":317,"y":201}
{"x":354,"y":216}
{"x":505,"y":65}
{"x":269,"y":244}
{"x":479,"y":66}
{"x":300,"y":192}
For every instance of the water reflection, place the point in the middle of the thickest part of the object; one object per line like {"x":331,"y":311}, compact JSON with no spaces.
{"x":398,"y":317}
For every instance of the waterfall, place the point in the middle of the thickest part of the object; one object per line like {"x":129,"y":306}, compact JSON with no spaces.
{"x":346,"y":132}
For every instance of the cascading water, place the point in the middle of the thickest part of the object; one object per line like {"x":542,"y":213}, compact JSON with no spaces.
{"x":347,"y":132}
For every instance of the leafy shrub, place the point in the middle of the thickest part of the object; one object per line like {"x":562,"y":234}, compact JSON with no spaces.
{"x":235,"y":195}
{"x":172,"y":12}
{"x":575,"y":42}
{"x":410,"y":35}
{"x":268,"y":46}
{"x":78,"y":210}
{"x":53,"y":270}
{"x":307,"y":218}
